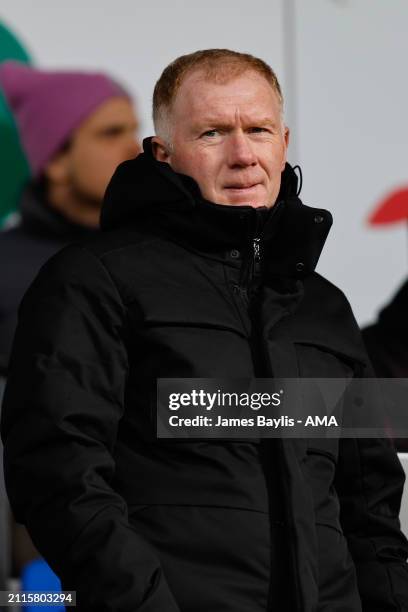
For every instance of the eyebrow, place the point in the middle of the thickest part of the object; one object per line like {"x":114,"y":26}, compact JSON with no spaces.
{"x":222,"y":123}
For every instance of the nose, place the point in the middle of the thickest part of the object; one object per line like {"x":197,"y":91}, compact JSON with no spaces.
{"x":240,"y":154}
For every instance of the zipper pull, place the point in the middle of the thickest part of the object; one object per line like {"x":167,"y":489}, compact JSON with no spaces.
{"x":257,"y":249}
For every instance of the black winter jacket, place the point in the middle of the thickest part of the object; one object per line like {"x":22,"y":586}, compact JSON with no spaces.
{"x":172,"y":289}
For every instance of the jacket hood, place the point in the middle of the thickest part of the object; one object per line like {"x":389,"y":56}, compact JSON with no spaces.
{"x":145,"y":193}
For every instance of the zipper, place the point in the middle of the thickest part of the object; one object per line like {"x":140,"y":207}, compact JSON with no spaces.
{"x":252,"y":266}
{"x":256,"y":245}
{"x":253,"y":261}
{"x":257,"y":249}
{"x":252,"y":269}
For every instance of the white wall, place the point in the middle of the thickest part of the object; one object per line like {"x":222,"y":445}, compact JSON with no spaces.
{"x":341,"y":63}
{"x":352,"y":99}
{"x":135,"y":40}
{"x":404,"y":502}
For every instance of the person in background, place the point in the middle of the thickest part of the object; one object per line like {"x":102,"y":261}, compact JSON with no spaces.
{"x":14,"y":170}
{"x":387,"y":338}
{"x":75,"y":129}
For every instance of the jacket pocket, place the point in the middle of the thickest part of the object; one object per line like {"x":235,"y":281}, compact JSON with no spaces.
{"x":318,"y":361}
{"x":319,"y":469}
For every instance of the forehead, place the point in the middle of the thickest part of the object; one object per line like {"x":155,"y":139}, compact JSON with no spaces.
{"x":249,"y":93}
{"x":112,"y":111}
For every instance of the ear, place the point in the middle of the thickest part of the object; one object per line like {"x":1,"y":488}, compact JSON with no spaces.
{"x":56,"y":170}
{"x":286,"y":137}
{"x":160,"y":149}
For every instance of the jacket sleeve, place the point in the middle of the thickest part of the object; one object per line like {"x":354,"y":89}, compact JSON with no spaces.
{"x":63,"y":402}
{"x":369,"y":483}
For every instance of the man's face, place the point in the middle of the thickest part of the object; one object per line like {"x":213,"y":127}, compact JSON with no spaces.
{"x":104,"y":140}
{"x":229,"y":137}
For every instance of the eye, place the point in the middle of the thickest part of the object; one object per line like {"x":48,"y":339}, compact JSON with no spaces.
{"x":112,"y":132}
{"x":210,"y":133}
{"x":257,"y":130}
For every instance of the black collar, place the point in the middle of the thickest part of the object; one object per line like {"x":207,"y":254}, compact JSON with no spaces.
{"x":152,"y":197}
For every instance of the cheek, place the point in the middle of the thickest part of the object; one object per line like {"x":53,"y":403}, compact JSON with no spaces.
{"x":274,"y":159}
{"x":97,"y":164}
{"x":199,"y":164}
{"x":84,"y":160}
{"x":92,"y":171}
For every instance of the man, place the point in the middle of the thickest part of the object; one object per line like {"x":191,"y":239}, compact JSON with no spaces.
{"x":205,"y":269}
{"x":75,"y":128}
{"x":387,"y":338}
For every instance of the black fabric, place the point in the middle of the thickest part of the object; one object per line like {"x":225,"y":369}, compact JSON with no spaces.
{"x":172,"y":289}
{"x":387,"y":339}
{"x":40,"y":233}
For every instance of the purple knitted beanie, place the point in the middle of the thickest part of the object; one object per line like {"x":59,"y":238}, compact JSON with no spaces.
{"x":48,"y":106}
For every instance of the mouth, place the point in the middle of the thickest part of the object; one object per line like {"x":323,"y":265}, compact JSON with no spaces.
{"x":245,"y":194}
{"x":241,"y":188}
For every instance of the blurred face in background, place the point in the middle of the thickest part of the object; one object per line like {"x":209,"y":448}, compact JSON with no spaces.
{"x":78,"y":176}
{"x":229,"y":137}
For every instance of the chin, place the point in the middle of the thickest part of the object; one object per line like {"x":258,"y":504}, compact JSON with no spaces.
{"x":245,"y":201}
{"x":253,"y":196}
